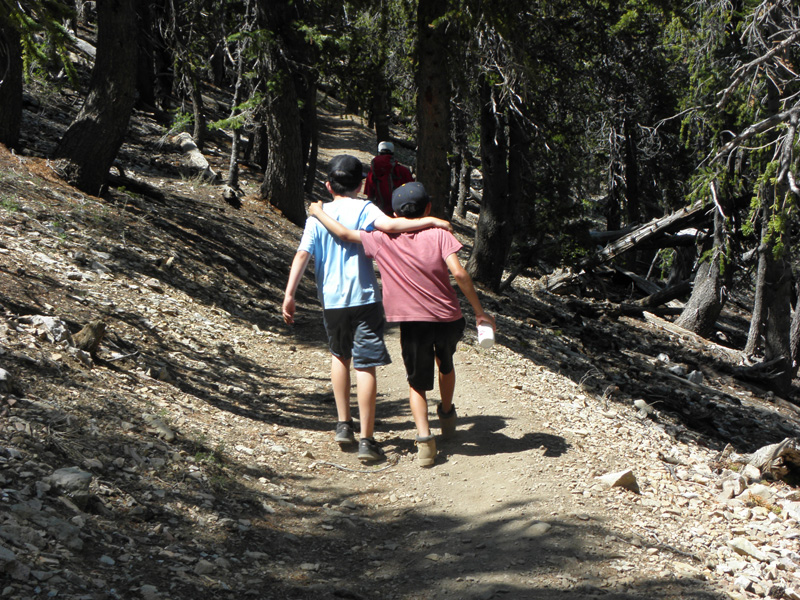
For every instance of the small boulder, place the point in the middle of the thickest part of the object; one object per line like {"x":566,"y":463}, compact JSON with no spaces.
{"x":73,"y":483}
{"x":624,"y":479}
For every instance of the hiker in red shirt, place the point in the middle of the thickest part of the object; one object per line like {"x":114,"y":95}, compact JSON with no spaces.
{"x":384,"y":177}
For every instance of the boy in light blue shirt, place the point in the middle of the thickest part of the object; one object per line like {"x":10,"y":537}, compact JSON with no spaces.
{"x":351,"y":298}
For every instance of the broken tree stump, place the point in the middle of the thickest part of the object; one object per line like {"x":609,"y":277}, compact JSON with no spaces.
{"x":89,"y":338}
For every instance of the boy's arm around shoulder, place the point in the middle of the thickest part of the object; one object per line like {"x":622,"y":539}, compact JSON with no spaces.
{"x":464,"y":282}
{"x":332,"y":225}
{"x":389,"y":224}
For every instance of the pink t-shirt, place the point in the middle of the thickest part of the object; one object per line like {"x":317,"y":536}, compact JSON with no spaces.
{"x":414,"y":275}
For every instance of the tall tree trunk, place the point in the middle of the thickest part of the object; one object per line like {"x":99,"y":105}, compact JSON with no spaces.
{"x":614,"y":197}
{"x":759,"y":314}
{"x":307,"y":107}
{"x":233,"y":166}
{"x":10,"y":84}
{"x":766,"y":193}
{"x":710,"y":287}
{"x":163,"y":57}
{"x":283,"y":177}
{"x":493,"y":233}
{"x":632,"y":202}
{"x":464,"y":177}
{"x":309,"y":138}
{"x":777,"y":343}
{"x":311,"y":163}
{"x":433,"y":104}
{"x":90,"y":145}
{"x":459,"y":188}
{"x":380,"y":111}
{"x":381,"y":116}
{"x":794,"y":334}
{"x":198,"y":110}
{"x":216,"y":65}
{"x":517,"y":189}
{"x":258,"y":146}
{"x":146,"y":65}
{"x":455,"y":174}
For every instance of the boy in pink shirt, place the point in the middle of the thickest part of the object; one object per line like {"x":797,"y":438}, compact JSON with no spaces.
{"x":415,"y":272}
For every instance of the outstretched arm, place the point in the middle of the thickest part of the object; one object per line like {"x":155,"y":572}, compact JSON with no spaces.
{"x":299,"y":265}
{"x":399,"y":224}
{"x":332,"y":225}
{"x":464,"y":282}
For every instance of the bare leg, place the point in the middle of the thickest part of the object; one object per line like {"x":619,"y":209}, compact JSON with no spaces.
{"x":419,"y":410}
{"x":447,"y":387}
{"x":367,"y":387}
{"x":340,"y":378}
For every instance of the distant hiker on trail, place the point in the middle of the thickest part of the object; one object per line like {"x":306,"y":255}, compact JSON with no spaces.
{"x":414,"y":271}
{"x":385,"y":176}
{"x":351,"y":299}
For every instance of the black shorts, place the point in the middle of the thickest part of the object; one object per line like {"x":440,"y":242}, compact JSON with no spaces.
{"x":357,"y":332}
{"x":422,"y":343}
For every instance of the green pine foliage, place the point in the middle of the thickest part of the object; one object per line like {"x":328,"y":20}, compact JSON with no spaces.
{"x":641,"y":106}
{"x":45,"y":41}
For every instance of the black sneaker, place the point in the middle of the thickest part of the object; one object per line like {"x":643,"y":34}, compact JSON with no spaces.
{"x":344,"y":433}
{"x":369,"y":450}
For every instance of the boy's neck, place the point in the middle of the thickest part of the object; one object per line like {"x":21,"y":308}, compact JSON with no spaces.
{"x":344,"y":196}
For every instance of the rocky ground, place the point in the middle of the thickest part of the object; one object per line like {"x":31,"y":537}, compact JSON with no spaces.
{"x":191,"y":456}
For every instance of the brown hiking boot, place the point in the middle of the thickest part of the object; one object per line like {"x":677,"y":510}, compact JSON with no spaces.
{"x":426,"y":450}
{"x":447,"y":421}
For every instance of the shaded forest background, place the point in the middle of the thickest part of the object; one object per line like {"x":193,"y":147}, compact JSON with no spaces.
{"x":568,"y":126}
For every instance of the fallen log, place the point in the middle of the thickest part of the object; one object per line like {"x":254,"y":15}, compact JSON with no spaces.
{"x":196,"y":161}
{"x":648,"y":287}
{"x":657,"y":227}
{"x":605,"y":237}
{"x":761,"y":371}
{"x":636,"y":310}
{"x":666,"y":295}
{"x":734,"y":356}
{"x":775,"y":460}
{"x":561,"y":281}
{"x":683,"y":382}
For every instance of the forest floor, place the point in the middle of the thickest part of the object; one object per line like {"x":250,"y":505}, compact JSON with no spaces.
{"x":205,"y":424}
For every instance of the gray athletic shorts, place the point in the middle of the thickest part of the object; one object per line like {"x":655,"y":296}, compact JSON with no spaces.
{"x":357,"y":332}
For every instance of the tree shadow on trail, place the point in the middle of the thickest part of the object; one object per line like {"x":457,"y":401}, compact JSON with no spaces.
{"x":481,"y":436}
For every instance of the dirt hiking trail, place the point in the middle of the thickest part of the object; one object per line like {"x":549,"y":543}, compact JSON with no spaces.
{"x":510,"y":508}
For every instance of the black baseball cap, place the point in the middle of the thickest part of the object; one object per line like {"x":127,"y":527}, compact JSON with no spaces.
{"x":410,"y":198}
{"x":346,"y":170}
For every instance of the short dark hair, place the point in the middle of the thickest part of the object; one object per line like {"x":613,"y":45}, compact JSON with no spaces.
{"x":345,"y":173}
{"x":341,"y":189}
{"x":417,"y":213}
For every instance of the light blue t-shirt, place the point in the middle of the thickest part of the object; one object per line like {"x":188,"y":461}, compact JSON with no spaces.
{"x":345,"y":276}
